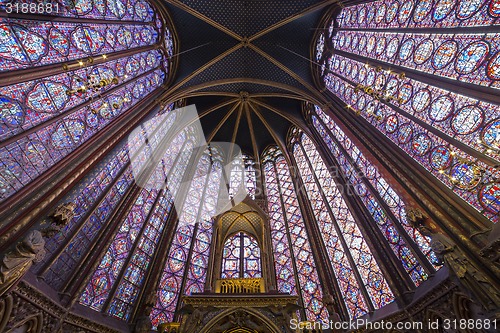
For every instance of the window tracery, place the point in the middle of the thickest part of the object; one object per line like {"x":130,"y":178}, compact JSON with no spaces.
{"x":91,"y":215}
{"x":361,"y":174}
{"x":187,"y":260}
{"x":358,"y":275}
{"x":243,"y":174}
{"x":126,"y":261}
{"x":241,"y":257}
{"x":296,"y":271}
{"x":408,"y":14}
{"x":43,"y":120}
{"x":452,"y":134}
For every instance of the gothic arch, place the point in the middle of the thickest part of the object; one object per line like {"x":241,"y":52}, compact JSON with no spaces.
{"x":32,"y":324}
{"x":247,"y":211}
{"x":217,"y":322}
{"x":5,"y":311}
{"x":249,"y":218}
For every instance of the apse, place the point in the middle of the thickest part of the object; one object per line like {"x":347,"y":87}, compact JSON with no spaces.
{"x":361,"y":182}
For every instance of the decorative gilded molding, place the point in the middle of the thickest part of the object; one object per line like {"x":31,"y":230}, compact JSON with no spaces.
{"x":6,"y":305}
{"x":240,"y":286}
{"x":169,"y":328}
{"x":492,"y":251}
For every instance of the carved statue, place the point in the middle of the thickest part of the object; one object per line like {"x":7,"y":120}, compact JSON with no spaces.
{"x":196,"y":316}
{"x":284,"y":314}
{"x":463,"y":270}
{"x":329,"y":302}
{"x":415,"y":216}
{"x":63,"y":213}
{"x":31,"y":249}
{"x":18,"y":261}
{"x":492,"y":249}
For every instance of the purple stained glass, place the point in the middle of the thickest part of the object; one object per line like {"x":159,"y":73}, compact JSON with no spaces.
{"x":349,"y":287}
{"x":456,"y":56}
{"x":420,"y":14}
{"x":63,"y":111}
{"x":98,"y":288}
{"x":379,"y":292}
{"x":241,"y":257}
{"x":393,"y":201}
{"x":208,"y":174}
{"x":30,"y":43}
{"x":442,"y":162}
{"x":289,"y":236}
{"x":62,"y":137}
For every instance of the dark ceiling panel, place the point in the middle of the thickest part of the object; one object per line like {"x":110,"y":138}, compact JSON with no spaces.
{"x":291,"y":107}
{"x":244,"y":63}
{"x":243,"y":138}
{"x":278,"y":124}
{"x":290,"y":44}
{"x":193,"y":33}
{"x":225,"y":133}
{"x":210,"y":121}
{"x":251,"y":88}
{"x":247,"y":17}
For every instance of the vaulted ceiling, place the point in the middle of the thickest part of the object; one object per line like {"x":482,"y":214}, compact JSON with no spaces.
{"x":245,"y":65}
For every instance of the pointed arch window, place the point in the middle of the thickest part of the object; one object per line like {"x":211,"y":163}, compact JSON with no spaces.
{"x":241,"y":257}
{"x":295,"y":266}
{"x":100,"y":192}
{"x":250,"y":176}
{"x":243,"y":175}
{"x":383,"y":203}
{"x":115,"y":284}
{"x":451,"y":132}
{"x":187,"y":259}
{"x":92,"y":215}
{"x":45,"y":119}
{"x":237,"y":176}
{"x":358,"y":275}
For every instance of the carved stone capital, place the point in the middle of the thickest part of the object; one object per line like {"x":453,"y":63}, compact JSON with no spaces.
{"x":416,"y":217}
{"x":63,"y":214}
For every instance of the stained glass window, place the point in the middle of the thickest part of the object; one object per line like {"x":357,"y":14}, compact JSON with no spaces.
{"x":411,"y":14}
{"x":449,"y":131}
{"x":243,"y":176}
{"x":250,"y":176}
{"x":342,"y":236}
{"x":458,"y":56}
{"x":101,"y":283}
{"x":182,"y":273}
{"x":295,"y":267}
{"x":241,"y":257}
{"x":195,"y":279}
{"x":129,"y":255}
{"x":37,"y":43}
{"x":99,"y":194}
{"x":92,"y":83}
{"x":101,"y":191}
{"x":237,"y":177}
{"x":366,"y":181}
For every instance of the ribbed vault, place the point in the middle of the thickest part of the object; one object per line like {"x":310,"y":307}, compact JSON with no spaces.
{"x":248,"y":69}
